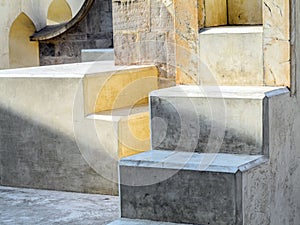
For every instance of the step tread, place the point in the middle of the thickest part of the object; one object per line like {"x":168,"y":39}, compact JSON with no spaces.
{"x":102,"y":50}
{"x":124,"y":221}
{"x":116,"y":114}
{"x":240,"y":92}
{"x":208,"y":162}
{"x":73,"y":70}
{"x":231,"y":30}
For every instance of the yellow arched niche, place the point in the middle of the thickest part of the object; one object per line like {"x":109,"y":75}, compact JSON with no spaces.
{"x":22,"y":51}
{"x":59,"y":11}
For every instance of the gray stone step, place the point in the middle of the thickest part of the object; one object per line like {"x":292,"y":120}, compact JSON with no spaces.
{"x":228,"y":119}
{"x":124,"y":221}
{"x":183,"y":187}
{"x":231,"y":55}
{"x":91,"y":55}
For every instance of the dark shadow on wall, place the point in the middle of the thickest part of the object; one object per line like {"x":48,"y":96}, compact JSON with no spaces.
{"x":34,"y":156}
{"x":95,"y":31}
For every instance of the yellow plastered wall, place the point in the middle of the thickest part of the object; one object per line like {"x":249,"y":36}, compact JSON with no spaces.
{"x":22,"y":51}
{"x":126,"y":88}
{"x":59,"y":11}
{"x":134,"y":135}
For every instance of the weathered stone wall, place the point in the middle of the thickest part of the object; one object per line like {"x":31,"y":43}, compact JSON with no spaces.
{"x":94,"y":31}
{"x":277,"y":42}
{"x":144,"y":34}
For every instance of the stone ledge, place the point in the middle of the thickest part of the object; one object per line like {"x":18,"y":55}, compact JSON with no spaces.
{"x":239,"y":92}
{"x":232,"y":30}
{"x":208,"y":162}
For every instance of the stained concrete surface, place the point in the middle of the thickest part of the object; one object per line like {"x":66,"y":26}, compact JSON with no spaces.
{"x":32,"y":206}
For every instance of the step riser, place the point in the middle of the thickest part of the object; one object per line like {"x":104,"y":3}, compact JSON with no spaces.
{"x":231,"y":56}
{"x":198,"y":198}
{"x":215,"y":125}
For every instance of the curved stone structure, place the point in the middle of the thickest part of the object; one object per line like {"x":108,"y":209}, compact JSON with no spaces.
{"x":52,"y":31}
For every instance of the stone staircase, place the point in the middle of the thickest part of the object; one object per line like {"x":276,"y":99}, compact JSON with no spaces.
{"x":207,"y":142}
{"x":210,"y":143}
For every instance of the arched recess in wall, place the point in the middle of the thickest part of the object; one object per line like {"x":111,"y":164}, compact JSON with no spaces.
{"x":22,"y":51}
{"x":59,"y":11}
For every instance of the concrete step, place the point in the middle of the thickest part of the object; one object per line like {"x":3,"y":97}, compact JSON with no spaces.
{"x":124,"y":221}
{"x":49,"y":142}
{"x":231,"y":55}
{"x":91,"y":55}
{"x":227,"y":119}
{"x":183,"y":187}
{"x":124,"y":131}
{"x":118,"y":87}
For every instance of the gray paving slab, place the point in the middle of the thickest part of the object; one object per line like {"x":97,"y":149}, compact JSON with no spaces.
{"x":30,"y":206}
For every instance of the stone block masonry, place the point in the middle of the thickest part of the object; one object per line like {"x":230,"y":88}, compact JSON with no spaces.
{"x":144,"y":34}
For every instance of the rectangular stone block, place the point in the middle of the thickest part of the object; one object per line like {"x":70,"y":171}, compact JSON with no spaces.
{"x":90,"y":55}
{"x":127,"y":15}
{"x":186,"y":39}
{"x":231,"y":56}
{"x":277,"y":36}
{"x":41,"y":144}
{"x":215,"y":13}
{"x":245,"y":12}
{"x":228,"y":119}
{"x":46,"y":139}
{"x":184,"y":187}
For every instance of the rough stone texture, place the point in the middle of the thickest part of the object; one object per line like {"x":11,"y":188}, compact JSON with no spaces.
{"x":256,"y":195}
{"x":231,"y":56}
{"x":284,"y":162}
{"x":186,"y":39}
{"x":94,"y":31}
{"x":272,"y":191}
{"x":191,"y":16}
{"x":31,"y":206}
{"x":189,"y":118}
{"x":144,"y":34}
{"x":276,"y":22}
